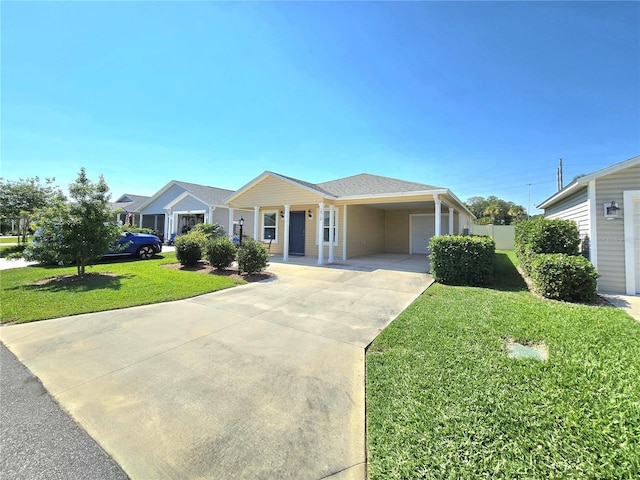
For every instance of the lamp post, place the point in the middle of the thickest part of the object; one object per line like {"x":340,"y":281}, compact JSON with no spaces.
{"x":241,"y":223}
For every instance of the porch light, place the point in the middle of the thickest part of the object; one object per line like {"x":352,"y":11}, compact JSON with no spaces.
{"x":611,"y":210}
{"x":281,"y":214}
{"x":241,"y":223}
{"x":309,"y":214}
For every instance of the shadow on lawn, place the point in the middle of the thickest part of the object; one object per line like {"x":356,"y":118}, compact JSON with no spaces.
{"x":508,"y":278}
{"x":75,"y":284}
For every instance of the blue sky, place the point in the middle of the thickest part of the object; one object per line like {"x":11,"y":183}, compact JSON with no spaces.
{"x":479,"y":97}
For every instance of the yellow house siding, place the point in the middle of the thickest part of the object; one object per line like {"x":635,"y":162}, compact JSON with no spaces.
{"x":611,"y":259}
{"x":365,"y":230}
{"x":271,"y":190}
{"x":398,"y":228}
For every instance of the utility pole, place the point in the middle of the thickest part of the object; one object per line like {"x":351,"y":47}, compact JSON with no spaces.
{"x":560,"y":175}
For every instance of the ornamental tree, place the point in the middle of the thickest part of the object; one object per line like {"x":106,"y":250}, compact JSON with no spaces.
{"x":79,"y":231}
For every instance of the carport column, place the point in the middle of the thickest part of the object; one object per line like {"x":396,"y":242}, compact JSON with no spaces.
{"x":256,"y":222}
{"x":230,"y":230}
{"x":320,"y":233}
{"x":344,"y":232}
{"x":438,"y":203}
{"x":452,"y":212}
{"x":332,"y":226}
{"x":285,"y":253}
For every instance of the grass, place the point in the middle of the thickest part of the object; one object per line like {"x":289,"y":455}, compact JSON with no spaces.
{"x":12,"y":239}
{"x":445,"y":401}
{"x":134,"y":282}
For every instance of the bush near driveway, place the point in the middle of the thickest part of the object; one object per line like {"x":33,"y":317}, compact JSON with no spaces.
{"x":463,"y":260}
{"x":252,"y":257}
{"x":221,"y":253}
{"x":445,"y":401}
{"x":189,"y":247}
{"x":563,"y":277}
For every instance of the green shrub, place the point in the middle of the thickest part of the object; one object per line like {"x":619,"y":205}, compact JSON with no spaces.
{"x":571,"y":278}
{"x":189,"y":247}
{"x":252,"y":256}
{"x":541,"y":235}
{"x":463,"y":260}
{"x":221,"y":252}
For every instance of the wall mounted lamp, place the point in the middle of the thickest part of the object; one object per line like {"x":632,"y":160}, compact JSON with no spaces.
{"x":309,"y":214}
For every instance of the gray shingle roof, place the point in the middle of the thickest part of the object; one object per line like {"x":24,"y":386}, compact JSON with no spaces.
{"x":367,"y":184}
{"x":129,"y":202}
{"x":211,"y":195}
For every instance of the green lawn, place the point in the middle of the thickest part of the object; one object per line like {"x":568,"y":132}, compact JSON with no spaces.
{"x":12,"y":239}
{"x":444,"y":401}
{"x":134,"y":282}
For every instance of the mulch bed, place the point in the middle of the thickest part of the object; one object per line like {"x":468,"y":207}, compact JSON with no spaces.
{"x":73,"y":278}
{"x":204,"y":267}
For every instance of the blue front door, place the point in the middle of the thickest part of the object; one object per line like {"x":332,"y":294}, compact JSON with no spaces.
{"x":296,"y":233}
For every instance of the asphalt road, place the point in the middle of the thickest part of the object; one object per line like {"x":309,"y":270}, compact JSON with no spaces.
{"x":38,"y":440}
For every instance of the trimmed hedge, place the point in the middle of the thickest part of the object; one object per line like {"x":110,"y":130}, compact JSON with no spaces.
{"x":549,"y":253}
{"x":189,"y":247}
{"x":541,"y":235}
{"x":563,"y":277}
{"x":463,"y":260}
{"x":252,"y":256}
{"x":221,"y":253}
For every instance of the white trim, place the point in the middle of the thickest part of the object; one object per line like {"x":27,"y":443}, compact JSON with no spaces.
{"x":263,"y":226}
{"x":593,"y":220}
{"x":344,"y":232}
{"x":256,"y":222}
{"x":230,"y":223}
{"x":320,"y":233}
{"x":335,"y":227}
{"x":629,"y":196}
{"x":332,"y":230}
{"x":452,"y":211}
{"x":438,"y":203}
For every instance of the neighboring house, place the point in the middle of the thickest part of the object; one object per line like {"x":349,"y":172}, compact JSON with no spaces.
{"x":358,"y":215}
{"x":128,"y":208}
{"x":606,"y":208}
{"x":178,"y":206}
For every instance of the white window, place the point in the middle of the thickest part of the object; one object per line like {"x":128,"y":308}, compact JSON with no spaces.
{"x":269,"y":226}
{"x":326,"y":234}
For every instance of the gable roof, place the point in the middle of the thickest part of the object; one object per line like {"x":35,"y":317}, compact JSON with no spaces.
{"x":129,"y":202}
{"x":367,"y":184}
{"x":207,"y":195}
{"x":583,"y":181}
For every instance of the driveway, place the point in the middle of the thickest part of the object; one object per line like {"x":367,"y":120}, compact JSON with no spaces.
{"x":261,"y":381}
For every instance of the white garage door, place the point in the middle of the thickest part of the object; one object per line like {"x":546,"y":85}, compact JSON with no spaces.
{"x":422,"y":228}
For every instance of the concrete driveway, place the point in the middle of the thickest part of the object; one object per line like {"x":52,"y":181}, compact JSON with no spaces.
{"x":262,"y":381}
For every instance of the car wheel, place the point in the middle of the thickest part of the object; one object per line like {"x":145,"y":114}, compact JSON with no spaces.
{"x":145,"y":252}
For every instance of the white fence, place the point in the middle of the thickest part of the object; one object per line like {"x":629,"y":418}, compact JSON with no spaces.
{"x":503,"y":235}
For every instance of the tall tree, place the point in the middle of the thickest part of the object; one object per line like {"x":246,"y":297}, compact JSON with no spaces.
{"x":19,"y":199}
{"x":79,"y":231}
{"x":517,"y":212}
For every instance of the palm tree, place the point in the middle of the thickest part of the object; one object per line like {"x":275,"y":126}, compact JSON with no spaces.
{"x":516,"y":212}
{"x":492,"y":210}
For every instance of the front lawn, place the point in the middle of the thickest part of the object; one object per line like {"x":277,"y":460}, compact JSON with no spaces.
{"x":24,"y":296}
{"x":444,"y":400}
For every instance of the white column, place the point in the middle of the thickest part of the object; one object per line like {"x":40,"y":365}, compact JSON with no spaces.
{"x":285,"y":252}
{"x":167,"y":224}
{"x":344,"y":232}
{"x":438,"y":215}
{"x":320,"y":233}
{"x":230,"y":224}
{"x":256,"y":222}
{"x":451,"y":215}
{"x":593,"y":217}
{"x":332,"y":225}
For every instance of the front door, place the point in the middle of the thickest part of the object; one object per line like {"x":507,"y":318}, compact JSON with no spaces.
{"x":296,"y":233}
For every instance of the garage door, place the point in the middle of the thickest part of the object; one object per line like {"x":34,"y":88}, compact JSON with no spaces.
{"x":423,"y":227}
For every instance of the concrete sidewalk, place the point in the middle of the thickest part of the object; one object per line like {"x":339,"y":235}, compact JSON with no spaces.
{"x":261,"y":381}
